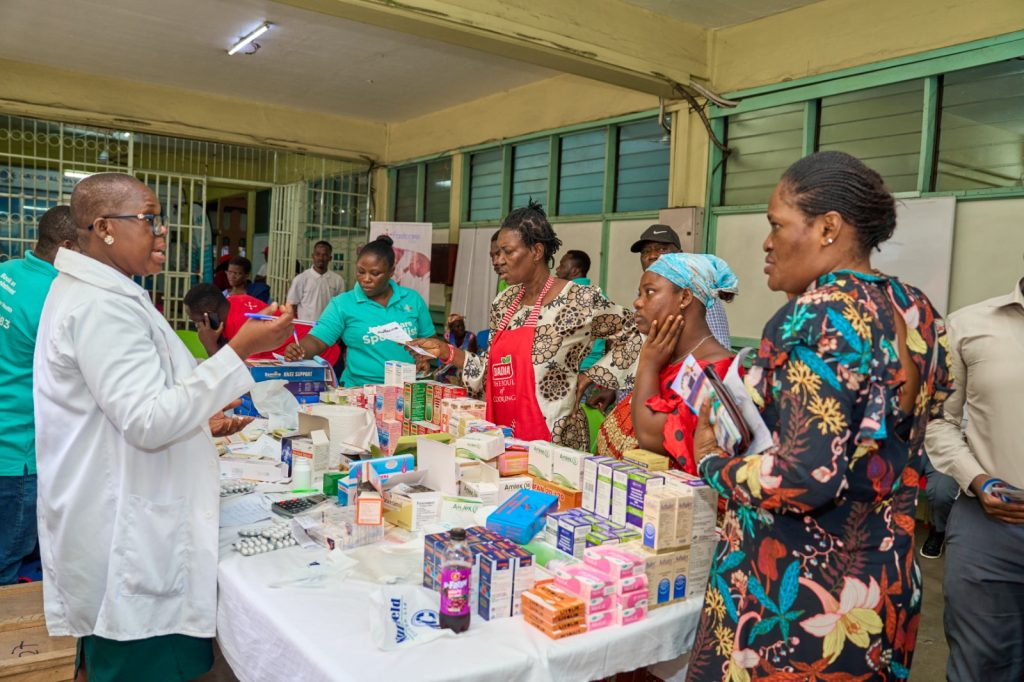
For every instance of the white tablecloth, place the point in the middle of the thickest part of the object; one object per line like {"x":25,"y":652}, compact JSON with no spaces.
{"x":309,"y":635}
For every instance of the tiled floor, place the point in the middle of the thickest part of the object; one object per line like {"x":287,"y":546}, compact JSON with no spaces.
{"x":931,"y":652}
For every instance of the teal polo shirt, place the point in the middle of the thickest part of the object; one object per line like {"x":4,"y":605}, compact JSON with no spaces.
{"x":24,"y":284}
{"x":350,"y":315}
{"x":597,"y":350}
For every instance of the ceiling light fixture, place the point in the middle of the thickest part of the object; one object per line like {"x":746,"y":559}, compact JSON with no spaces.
{"x":249,"y":38}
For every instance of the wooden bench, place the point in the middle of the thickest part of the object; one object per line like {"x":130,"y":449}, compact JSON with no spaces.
{"x":27,"y":653}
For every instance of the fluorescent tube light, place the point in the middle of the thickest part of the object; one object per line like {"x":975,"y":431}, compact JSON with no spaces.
{"x":249,"y":38}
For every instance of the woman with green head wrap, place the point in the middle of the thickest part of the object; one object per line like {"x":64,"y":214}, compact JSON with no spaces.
{"x":673,"y":298}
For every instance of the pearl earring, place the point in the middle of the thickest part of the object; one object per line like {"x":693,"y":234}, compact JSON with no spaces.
{"x":829,"y":240}
{"x":108,"y":240}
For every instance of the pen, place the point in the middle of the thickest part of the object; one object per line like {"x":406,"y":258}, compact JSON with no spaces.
{"x":261,"y":316}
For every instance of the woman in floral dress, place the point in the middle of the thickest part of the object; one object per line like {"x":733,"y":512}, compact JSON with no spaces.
{"x":815,"y":577}
{"x":541,"y":329}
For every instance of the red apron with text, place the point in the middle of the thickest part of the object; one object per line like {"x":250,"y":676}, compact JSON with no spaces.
{"x":511,"y":385}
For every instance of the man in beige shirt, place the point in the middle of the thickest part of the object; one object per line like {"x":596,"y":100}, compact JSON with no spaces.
{"x":984,"y":571}
{"x":314,"y":288}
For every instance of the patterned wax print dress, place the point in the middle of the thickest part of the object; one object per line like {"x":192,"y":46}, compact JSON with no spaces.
{"x":815,"y":577}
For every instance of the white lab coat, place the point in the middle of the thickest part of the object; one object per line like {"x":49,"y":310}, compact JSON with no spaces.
{"x":129,"y":486}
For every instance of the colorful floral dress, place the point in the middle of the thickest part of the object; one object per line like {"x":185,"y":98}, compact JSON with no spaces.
{"x":815,"y":576}
{"x":566,"y":330}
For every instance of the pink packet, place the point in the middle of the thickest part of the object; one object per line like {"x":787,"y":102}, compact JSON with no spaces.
{"x":627,"y":616}
{"x":631,"y":600}
{"x":633,"y":583}
{"x":614,"y":562}
{"x":600,"y":619}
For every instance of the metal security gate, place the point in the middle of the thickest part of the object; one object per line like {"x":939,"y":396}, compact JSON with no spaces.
{"x":312,"y":197}
{"x":189,"y":242}
{"x":40,"y":164}
{"x":286,"y":213}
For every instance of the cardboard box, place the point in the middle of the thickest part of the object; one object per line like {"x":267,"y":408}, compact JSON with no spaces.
{"x":571,"y":535}
{"x":567,"y":499}
{"x":410,"y":504}
{"x":620,"y":481}
{"x":302,"y":370}
{"x":541,"y":460}
{"x":644,"y":459}
{"x":414,"y":396}
{"x":482,"y":446}
{"x":397,"y":373}
{"x":567,"y":468}
{"x":27,"y":652}
{"x":704,"y":512}
{"x":603,"y":492}
{"x":513,"y":463}
{"x":590,"y":465}
{"x":639,"y":482}
{"x":315,"y":448}
{"x":253,"y":469}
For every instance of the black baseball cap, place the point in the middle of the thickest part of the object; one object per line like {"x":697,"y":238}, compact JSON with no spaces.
{"x":657,"y":233}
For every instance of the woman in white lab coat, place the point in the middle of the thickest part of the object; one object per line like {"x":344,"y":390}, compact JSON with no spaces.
{"x":128,"y":475}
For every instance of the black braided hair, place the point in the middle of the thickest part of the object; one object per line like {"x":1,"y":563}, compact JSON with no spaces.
{"x":533,"y":227}
{"x":836,"y":181}
{"x":381,"y":247}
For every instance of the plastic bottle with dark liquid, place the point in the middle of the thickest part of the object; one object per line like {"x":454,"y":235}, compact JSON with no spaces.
{"x":456,"y":571}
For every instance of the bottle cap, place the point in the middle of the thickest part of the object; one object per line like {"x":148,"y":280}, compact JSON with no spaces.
{"x":458,"y":534}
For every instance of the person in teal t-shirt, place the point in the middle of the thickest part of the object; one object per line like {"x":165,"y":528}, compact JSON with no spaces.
{"x":574,"y":267}
{"x":24,"y":284}
{"x":349,"y":317}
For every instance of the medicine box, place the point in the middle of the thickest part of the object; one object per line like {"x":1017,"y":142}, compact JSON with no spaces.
{"x":567,"y":467}
{"x":496,"y":584}
{"x":644,"y":459}
{"x":513,"y":463}
{"x":486,"y":491}
{"x":571,"y":535}
{"x":414,"y":396}
{"x":541,"y":460}
{"x":637,"y":485}
{"x":412,"y":507}
{"x":590,"y":480}
{"x":397,"y":373}
{"x":302,"y":370}
{"x":385,"y":467}
{"x":483,"y":446}
{"x":701,"y":514}
{"x":521,"y":516}
{"x":389,"y":432}
{"x":314,"y":448}
{"x":567,"y":499}
{"x":620,"y":480}
{"x":253,"y":469}
{"x":603,"y":492}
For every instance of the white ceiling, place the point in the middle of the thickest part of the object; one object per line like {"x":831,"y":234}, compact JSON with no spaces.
{"x":308,"y":60}
{"x":718,"y":13}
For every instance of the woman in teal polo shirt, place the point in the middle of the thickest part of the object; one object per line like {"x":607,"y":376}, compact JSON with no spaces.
{"x":349,"y":317}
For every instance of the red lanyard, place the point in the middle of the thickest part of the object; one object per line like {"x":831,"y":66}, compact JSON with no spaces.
{"x":534,"y":314}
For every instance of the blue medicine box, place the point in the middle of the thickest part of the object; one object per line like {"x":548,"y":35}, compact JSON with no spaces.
{"x":521,"y":516}
{"x":300,"y":371}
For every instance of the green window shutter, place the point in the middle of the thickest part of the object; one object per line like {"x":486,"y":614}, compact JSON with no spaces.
{"x":641,"y":181}
{"x":485,"y":185}
{"x":981,"y":128}
{"x":530,"y":168}
{"x":881,"y":127}
{"x":581,"y":172}
{"x":763,"y":144}
{"x":437,"y":203}
{"x":405,"y":194}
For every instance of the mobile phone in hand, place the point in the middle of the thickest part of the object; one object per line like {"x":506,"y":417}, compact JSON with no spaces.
{"x":1007,"y":492}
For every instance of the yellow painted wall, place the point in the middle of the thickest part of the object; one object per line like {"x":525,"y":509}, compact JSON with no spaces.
{"x":552,"y":103}
{"x":837,"y":34}
{"x":63,"y":95}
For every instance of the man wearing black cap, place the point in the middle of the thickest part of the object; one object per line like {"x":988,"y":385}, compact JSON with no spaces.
{"x":654,"y":242}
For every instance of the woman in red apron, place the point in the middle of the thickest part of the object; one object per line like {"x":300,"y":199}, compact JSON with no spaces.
{"x":542,"y":328}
